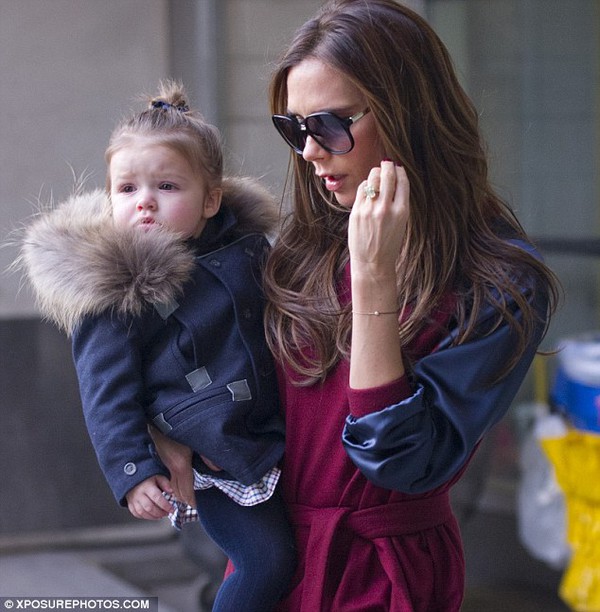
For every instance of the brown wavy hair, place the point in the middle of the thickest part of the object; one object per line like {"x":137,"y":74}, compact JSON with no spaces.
{"x":457,"y":230}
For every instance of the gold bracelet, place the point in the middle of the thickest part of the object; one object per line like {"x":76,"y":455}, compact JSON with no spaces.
{"x":376,"y":313}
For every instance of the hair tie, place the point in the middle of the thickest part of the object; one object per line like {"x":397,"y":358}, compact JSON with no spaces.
{"x":161,"y":104}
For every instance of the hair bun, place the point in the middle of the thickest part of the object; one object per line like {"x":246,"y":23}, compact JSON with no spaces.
{"x":171,"y":95}
{"x":167,"y":105}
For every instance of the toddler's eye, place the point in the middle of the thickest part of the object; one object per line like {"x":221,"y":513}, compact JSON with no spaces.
{"x":127,"y":189}
{"x":167,"y":186}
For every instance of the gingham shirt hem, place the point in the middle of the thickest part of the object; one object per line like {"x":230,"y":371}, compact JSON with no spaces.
{"x":244,"y":495}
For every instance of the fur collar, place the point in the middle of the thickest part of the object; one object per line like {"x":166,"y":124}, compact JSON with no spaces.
{"x":78,"y":263}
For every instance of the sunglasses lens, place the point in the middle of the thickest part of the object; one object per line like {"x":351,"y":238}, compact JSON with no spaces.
{"x":330,"y":132}
{"x":290,"y":131}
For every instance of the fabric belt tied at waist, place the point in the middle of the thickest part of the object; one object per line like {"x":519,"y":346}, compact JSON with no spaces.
{"x":386,"y":520}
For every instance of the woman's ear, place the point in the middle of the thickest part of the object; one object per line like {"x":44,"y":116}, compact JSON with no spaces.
{"x":212,"y":202}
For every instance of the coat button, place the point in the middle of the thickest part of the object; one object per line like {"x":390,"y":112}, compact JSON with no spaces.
{"x":247,"y":313}
{"x":215,"y":263}
{"x":130,"y":469}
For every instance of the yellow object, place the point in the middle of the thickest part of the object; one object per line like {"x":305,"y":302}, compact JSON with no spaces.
{"x":576,"y":460}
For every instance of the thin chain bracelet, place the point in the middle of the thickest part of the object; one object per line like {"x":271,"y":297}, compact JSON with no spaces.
{"x":376,"y":313}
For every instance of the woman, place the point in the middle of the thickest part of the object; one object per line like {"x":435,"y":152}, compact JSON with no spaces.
{"x":405,"y":305}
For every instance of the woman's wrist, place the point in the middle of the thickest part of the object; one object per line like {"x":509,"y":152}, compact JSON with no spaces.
{"x":374,"y":291}
{"x":367,"y":273}
{"x":371,"y":296}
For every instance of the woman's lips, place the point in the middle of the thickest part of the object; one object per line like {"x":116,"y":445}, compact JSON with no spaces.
{"x":332,"y":182}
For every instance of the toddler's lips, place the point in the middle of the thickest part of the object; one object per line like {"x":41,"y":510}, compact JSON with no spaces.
{"x":146,"y":223}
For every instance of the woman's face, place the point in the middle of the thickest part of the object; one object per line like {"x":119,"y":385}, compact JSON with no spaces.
{"x":314,"y":86}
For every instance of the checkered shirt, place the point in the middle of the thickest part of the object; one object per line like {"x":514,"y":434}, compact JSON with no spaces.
{"x":244,"y":495}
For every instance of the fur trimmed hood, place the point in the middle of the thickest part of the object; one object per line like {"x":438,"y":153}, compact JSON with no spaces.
{"x":79,"y":264}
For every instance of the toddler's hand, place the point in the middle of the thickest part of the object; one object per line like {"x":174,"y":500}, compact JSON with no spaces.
{"x":146,"y":500}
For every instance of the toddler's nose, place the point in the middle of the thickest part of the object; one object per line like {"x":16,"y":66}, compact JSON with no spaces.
{"x":146,"y":201}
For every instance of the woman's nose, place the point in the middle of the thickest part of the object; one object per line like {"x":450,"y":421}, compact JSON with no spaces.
{"x":312,"y":150}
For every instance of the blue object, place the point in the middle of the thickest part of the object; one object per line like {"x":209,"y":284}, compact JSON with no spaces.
{"x":576,"y":390}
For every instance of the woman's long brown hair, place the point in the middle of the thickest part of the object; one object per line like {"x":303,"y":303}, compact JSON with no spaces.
{"x":456,"y":235}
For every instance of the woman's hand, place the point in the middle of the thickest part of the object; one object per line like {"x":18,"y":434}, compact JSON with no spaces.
{"x":178,"y":460}
{"x":377,"y":224}
{"x":376,"y":232}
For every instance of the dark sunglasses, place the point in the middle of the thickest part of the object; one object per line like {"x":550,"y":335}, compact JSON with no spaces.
{"x":331,"y":132}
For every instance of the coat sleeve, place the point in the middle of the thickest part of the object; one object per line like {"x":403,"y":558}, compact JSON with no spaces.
{"x":420,"y":442}
{"x":108,"y":363}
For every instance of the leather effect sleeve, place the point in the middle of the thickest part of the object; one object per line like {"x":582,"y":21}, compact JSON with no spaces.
{"x":422,"y":441}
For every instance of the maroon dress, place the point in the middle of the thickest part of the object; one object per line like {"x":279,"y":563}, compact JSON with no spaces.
{"x":361,"y":547}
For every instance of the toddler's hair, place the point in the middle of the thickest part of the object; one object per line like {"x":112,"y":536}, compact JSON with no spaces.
{"x":169,"y":121}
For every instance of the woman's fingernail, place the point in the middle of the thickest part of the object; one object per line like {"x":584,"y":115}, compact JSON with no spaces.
{"x":386,"y":159}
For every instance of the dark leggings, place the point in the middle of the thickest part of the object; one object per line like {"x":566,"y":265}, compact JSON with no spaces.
{"x":259,"y":542}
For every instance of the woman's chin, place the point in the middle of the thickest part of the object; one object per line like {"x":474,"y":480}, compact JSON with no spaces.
{"x":343,"y":200}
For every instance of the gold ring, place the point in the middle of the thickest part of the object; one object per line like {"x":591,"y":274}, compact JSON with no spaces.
{"x":370,"y":192}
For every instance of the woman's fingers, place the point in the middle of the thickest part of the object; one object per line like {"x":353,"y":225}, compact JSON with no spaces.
{"x":381,"y":183}
{"x":371,"y":188}
{"x":379,"y":218}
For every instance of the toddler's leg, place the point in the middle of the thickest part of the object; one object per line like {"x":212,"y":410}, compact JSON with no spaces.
{"x":259,"y":542}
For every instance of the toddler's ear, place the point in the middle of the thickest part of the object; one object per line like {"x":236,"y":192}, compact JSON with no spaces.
{"x":212,"y":203}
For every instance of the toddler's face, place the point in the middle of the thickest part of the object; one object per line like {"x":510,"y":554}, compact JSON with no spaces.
{"x":153,"y":185}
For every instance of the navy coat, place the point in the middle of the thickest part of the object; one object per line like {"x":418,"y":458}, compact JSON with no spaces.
{"x":187,"y":352}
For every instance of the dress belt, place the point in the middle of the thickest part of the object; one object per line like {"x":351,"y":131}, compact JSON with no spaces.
{"x":387,"y":520}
